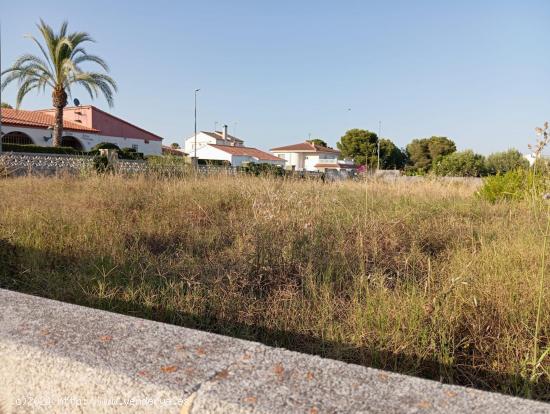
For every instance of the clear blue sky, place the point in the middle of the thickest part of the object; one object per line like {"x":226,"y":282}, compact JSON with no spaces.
{"x":477,"y":71}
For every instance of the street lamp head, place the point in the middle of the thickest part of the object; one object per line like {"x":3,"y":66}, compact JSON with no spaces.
{"x":196,"y":90}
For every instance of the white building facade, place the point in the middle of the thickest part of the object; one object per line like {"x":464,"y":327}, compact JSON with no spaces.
{"x":35,"y":128}
{"x":215,"y":137}
{"x":307,"y":156}
{"x":237,"y":156}
{"x":220,"y":146}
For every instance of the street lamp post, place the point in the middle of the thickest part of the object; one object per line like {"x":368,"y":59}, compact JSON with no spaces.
{"x":378,"y":145}
{"x":195,"y":146}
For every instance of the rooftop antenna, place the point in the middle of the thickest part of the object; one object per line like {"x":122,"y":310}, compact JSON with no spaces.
{"x":77,"y":112}
{"x":216,"y":126}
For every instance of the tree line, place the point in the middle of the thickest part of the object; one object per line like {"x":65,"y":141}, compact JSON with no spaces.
{"x":434,"y":155}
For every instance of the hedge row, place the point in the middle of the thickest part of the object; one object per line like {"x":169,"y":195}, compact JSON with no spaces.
{"x":39,"y":150}
{"x":125,"y":153}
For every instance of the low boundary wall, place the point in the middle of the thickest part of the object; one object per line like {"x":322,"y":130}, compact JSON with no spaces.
{"x":23,"y":163}
{"x":56,"y":357}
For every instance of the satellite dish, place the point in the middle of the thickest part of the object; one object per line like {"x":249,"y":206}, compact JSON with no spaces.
{"x":76,"y":102}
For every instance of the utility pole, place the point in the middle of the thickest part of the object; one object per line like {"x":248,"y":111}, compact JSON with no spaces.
{"x":195,"y":146}
{"x":378,"y":144}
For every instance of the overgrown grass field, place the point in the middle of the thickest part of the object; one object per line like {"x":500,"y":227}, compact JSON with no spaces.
{"x":421,"y":278}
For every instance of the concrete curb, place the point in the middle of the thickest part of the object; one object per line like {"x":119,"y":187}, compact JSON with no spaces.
{"x":57,"y":357}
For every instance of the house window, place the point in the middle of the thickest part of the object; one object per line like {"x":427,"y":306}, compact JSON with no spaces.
{"x":135,"y":147}
{"x":16,"y":137}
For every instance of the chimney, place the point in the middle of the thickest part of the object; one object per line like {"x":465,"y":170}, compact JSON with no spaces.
{"x":225,"y":132}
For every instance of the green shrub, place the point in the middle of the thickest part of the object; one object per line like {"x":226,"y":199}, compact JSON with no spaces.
{"x":263,"y":169}
{"x":460,"y":164}
{"x":502,"y":162}
{"x":167,"y":160}
{"x":38,"y":149}
{"x":124,"y":153}
{"x":509,"y":186}
{"x":105,"y":145}
{"x":169,"y":166}
{"x":514,"y":185}
{"x":221,"y":163}
{"x":101,"y":164}
{"x":130,"y":154}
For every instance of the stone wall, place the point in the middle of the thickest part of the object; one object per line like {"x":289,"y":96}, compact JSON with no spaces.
{"x":19,"y":163}
{"x":62,"y":358}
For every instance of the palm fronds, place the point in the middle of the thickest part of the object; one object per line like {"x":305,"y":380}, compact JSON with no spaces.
{"x":59,"y":66}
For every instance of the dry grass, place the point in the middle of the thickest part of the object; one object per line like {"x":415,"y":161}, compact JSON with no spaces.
{"x":420,"y":278}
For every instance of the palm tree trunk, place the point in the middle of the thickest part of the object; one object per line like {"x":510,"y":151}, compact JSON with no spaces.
{"x":59,"y":98}
{"x":57,"y":127}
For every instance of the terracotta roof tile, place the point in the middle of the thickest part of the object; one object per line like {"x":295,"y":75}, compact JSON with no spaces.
{"x":306,"y":147}
{"x":247,"y":151}
{"x":37,"y":119}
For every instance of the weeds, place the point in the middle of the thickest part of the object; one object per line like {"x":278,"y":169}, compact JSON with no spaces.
{"x":419,"y":278}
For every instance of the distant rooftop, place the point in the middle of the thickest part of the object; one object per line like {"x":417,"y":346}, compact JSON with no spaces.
{"x":305,"y":147}
{"x":219,"y":135}
{"x":38,"y":119}
{"x":86,"y":118}
{"x":247,"y":151}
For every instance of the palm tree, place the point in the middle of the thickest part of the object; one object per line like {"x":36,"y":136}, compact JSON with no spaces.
{"x":59,"y":69}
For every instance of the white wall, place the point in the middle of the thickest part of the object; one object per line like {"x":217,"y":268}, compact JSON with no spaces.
{"x":211,"y":153}
{"x":293,"y":159}
{"x":88,"y":140}
{"x":309,"y":162}
{"x":202,"y":140}
{"x":306,"y":160}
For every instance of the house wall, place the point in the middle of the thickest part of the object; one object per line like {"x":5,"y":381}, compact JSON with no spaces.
{"x":238,"y":160}
{"x":294,"y":160}
{"x":108,"y":124}
{"x":211,"y":153}
{"x":202,"y":141}
{"x":306,"y":160}
{"x":88,"y":140}
{"x":273,"y":162}
{"x":309,"y":162}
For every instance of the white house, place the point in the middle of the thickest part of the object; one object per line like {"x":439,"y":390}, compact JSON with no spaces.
{"x":214,"y":137}
{"x":307,"y":156}
{"x":83,"y":128}
{"x":220,"y":146}
{"x":236,"y":156}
